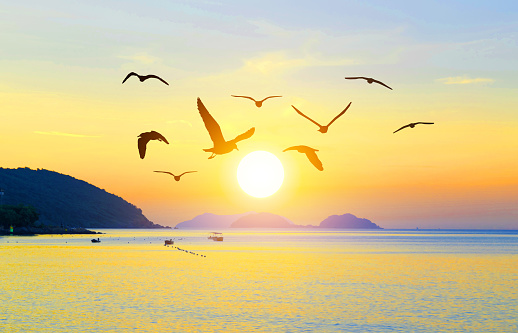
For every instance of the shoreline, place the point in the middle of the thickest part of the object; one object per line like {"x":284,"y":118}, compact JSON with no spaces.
{"x":24,"y":231}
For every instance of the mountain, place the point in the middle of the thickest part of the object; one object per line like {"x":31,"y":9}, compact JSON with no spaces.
{"x":62,"y":200}
{"x":347,"y":221}
{"x":210,"y":221}
{"x":262,"y":220}
{"x":268,"y":220}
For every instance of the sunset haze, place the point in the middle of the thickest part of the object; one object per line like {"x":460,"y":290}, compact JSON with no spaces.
{"x":64,"y":107}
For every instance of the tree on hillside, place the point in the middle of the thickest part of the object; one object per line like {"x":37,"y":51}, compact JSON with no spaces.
{"x":17,"y":216}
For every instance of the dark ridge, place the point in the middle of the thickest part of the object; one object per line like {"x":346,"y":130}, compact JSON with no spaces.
{"x":64,"y":201}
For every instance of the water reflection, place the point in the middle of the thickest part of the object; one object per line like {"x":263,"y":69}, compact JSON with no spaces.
{"x":257,"y":280}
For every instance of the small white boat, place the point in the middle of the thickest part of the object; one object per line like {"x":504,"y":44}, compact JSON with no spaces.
{"x":216,"y":236}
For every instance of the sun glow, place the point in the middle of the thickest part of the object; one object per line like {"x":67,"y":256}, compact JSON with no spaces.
{"x":260,"y":174}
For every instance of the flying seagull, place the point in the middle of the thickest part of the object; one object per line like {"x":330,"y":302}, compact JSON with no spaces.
{"x":310,"y":153}
{"x":177,"y":178}
{"x":144,"y":139}
{"x":220,"y":145}
{"x":368,"y":79}
{"x":412,"y":125}
{"x":322,"y":129}
{"x":257,"y":103}
{"x":143,"y":78}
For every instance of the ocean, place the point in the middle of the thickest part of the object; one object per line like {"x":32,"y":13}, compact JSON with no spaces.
{"x":261,"y":280}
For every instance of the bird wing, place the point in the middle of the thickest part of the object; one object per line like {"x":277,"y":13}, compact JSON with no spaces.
{"x":165,"y":172}
{"x":244,"y":97}
{"x":129,"y":75}
{"x":402,"y":128}
{"x":160,"y":137}
{"x":301,"y":149}
{"x":244,"y":136}
{"x":142,"y":142}
{"x":355,"y":77}
{"x":424,"y":123}
{"x":341,"y":113}
{"x":291,"y":148}
{"x":269,"y":97}
{"x":313,"y":158}
{"x":303,"y":115}
{"x":186,"y":172}
{"x":210,"y":124}
{"x":383,"y":84}
{"x":151,"y":76}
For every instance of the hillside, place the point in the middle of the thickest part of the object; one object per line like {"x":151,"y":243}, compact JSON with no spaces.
{"x":62,"y":200}
{"x":347,"y":221}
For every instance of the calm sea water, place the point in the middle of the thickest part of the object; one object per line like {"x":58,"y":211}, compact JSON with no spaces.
{"x":261,"y":281}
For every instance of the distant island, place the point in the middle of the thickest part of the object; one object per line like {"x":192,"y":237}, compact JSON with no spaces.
{"x":66,"y":203}
{"x":210,"y":221}
{"x":262,"y":220}
{"x":347,"y":221}
{"x":269,"y":220}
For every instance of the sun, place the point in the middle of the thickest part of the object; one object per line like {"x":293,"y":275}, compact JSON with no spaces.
{"x":260,"y":174}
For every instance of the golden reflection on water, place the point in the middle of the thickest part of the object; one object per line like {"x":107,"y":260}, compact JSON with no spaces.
{"x":247,"y":285}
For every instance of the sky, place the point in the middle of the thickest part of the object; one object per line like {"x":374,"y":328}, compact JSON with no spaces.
{"x":454,"y":63}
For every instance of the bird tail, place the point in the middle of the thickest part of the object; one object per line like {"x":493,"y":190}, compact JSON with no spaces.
{"x":210,"y":150}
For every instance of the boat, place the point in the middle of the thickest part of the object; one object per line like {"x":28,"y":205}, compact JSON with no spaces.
{"x":96,"y":240}
{"x":216,"y":236}
{"x":169,"y":242}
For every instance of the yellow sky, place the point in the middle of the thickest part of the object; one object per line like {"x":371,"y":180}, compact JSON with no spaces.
{"x":63,"y":108}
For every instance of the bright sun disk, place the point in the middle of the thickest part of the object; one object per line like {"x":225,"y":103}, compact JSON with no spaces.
{"x":260,"y":174}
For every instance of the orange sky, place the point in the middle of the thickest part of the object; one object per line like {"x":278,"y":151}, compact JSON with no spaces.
{"x":64,"y":108}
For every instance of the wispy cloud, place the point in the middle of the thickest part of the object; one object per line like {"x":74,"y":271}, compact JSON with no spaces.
{"x":464,"y":80}
{"x":67,"y":134}
{"x":280,"y":61}
{"x":142,"y":58}
{"x":273,"y":62}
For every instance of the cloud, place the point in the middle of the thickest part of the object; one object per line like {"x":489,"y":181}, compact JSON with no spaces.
{"x":67,"y":134}
{"x":326,"y":47}
{"x":142,"y":58}
{"x":278,"y":63}
{"x":464,"y":80}
{"x":273,"y":62}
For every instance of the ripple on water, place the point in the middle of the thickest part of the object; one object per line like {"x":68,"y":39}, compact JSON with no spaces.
{"x":265,"y":281}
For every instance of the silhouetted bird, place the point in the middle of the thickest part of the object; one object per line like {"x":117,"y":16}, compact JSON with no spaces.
{"x":257,"y":103}
{"x":143,"y":78}
{"x":144,"y":139}
{"x":177,"y":178}
{"x":220,"y":145}
{"x":412,"y":125}
{"x":368,"y":79}
{"x":310,"y":153}
{"x":322,"y":129}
